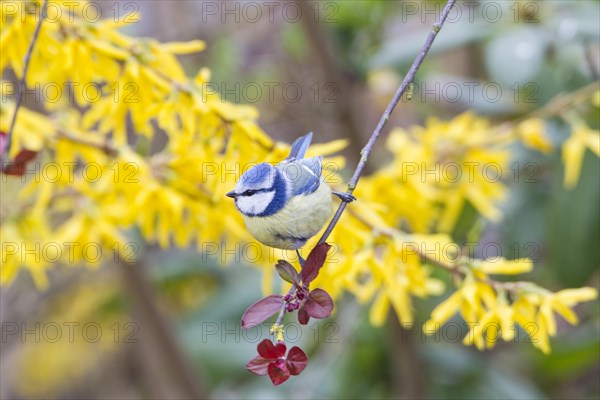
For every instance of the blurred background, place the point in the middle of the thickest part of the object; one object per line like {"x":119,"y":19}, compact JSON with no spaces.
{"x":172,"y":331}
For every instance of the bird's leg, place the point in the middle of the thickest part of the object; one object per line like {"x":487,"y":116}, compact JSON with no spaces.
{"x":300,"y":259}
{"x":345,"y":197}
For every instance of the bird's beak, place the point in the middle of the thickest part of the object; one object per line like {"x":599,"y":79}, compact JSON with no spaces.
{"x":231,"y":194}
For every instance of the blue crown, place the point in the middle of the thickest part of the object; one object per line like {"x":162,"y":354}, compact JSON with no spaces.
{"x":260,"y":173}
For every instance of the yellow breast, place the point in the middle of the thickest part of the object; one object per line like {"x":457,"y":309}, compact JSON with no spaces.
{"x":300,"y":219}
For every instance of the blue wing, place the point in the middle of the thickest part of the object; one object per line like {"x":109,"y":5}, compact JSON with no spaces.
{"x":300,"y":146}
{"x":303,"y":176}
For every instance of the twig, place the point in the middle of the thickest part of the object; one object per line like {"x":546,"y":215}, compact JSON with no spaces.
{"x":22,"y":84}
{"x":107,"y":147}
{"x":283,"y":305}
{"x":591,"y":60}
{"x":177,"y":85}
{"x":556,"y":106}
{"x":558,"y":103}
{"x":457,"y":269}
{"x":366,"y":151}
{"x":408,"y":79}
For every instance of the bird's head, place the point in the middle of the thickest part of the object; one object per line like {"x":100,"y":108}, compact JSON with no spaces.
{"x":261,"y":191}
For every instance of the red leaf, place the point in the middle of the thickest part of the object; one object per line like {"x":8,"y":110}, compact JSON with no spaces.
{"x":258,"y":365}
{"x":314,"y":262}
{"x":296,"y":361}
{"x":278,"y":372}
{"x":303,"y":316}
{"x":261,"y":310}
{"x":319,"y":304}
{"x":18,"y":166}
{"x":24,"y":156}
{"x":287,"y":272}
{"x":271,"y":351}
{"x":14,"y":169}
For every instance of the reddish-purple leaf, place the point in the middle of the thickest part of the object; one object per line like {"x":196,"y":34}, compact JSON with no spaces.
{"x":261,"y":310}
{"x":258,"y":365}
{"x":319,"y":304}
{"x":314,"y":262}
{"x":278,"y":372}
{"x":287,"y":272}
{"x":17,"y":166}
{"x":271,"y":351}
{"x":303,"y":316}
{"x":296,"y":360}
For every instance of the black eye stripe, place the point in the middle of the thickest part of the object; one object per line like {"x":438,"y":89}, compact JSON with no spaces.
{"x":252,"y":192}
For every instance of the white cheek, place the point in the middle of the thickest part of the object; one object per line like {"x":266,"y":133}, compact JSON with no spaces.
{"x":255,"y":204}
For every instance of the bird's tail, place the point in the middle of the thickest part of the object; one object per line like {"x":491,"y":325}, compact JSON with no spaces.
{"x":300,"y":146}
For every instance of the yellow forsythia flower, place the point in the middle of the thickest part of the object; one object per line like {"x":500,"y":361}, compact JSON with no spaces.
{"x":503,"y":266}
{"x":532,"y":134}
{"x":582,"y":138}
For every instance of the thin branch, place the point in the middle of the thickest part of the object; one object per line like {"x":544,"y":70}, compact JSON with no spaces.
{"x":457,"y":270}
{"x":283,"y":305}
{"x":556,"y":106}
{"x":22,"y":84}
{"x":592,"y":59}
{"x":282,"y":310}
{"x":366,"y":151}
{"x":408,"y":79}
{"x":561,"y":101}
{"x":107,"y":147}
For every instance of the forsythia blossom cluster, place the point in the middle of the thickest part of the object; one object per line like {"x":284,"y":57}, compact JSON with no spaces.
{"x":436,"y":170}
{"x":89,"y":181}
{"x":492,"y":309}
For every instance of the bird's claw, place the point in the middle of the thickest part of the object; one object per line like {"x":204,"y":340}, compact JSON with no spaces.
{"x":345,"y":197}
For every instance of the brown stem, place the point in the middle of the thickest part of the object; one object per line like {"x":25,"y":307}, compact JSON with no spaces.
{"x":333,"y":73}
{"x":155,"y":328}
{"x":554,"y":107}
{"x":457,"y":270}
{"x":106,"y":147}
{"x":592,"y":59}
{"x":559,"y":102}
{"x":408,"y":378}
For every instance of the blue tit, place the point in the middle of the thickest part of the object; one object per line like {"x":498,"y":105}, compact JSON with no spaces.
{"x":286,"y":204}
